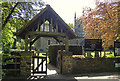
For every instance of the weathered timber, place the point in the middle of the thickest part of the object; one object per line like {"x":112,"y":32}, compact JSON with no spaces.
{"x":39,"y":72}
{"x":37,"y":64}
{"x":26,"y":43}
{"x":10,"y":69}
{"x":56,"y":27}
{"x":38,"y":57}
{"x":61,"y":30}
{"x":43,"y":25}
{"x":66,"y":44}
{"x":38,"y":28}
{"x":65,"y":41}
{"x":51,"y":25}
{"x":46,"y":34}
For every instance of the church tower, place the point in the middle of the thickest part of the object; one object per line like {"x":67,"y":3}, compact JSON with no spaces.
{"x":75,"y":21}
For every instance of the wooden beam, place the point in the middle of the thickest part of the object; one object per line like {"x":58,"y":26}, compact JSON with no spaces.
{"x":61,"y":30}
{"x":47,"y":34}
{"x":51,"y":25}
{"x":26,"y":42}
{"x":37,"y":37}
{"x":30,"y":47}
{"x":38,"y":27}
{"x":65,"y":41}
{"x":66,"y":44}
{"x":56,"y":27}
{"x":43,"y":25}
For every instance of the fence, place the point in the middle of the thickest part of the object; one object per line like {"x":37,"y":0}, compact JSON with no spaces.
{"x":11,"y":65}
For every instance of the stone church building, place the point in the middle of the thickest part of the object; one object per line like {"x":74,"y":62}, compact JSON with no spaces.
{"x":44,"y":42}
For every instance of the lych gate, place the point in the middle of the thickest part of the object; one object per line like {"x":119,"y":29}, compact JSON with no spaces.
{"x":36,"y":28}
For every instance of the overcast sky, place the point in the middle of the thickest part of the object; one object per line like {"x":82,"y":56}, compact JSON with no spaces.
{"x":67,"y":8}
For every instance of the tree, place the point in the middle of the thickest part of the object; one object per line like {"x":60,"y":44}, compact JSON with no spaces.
{"x":70,"y":25}
{"x":102,"y":22}
{"x":14,"y":16}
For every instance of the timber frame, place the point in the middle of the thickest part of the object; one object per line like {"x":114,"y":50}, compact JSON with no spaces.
{"x":36,"y":28}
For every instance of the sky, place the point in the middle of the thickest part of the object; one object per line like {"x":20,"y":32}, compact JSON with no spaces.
{"x":66,"y":8}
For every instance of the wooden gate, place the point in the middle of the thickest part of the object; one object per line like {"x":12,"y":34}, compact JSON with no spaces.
{"x":39,"y":65}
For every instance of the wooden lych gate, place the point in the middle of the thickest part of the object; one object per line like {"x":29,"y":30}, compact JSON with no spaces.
{"x":36,"y":28}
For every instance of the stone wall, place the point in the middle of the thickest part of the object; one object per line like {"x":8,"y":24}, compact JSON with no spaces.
{"x":66,"y":64}
{"x":25,"y":66}
{"x":94,"y":65}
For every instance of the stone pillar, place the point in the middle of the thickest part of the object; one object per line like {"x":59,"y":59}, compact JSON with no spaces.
{"x":25,"y":66}
{"x":64,"y":62}
{"x":59,"y":62}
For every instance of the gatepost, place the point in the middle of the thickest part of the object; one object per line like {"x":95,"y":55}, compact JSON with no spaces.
{"x":25,"y":66}
{"x":64,"y":62}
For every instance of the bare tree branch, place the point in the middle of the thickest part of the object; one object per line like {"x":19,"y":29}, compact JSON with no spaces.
{"x":8,"y":17}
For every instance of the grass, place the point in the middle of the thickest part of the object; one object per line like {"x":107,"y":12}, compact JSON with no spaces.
{"x":42,"y":54}
{"x":107,"y":54}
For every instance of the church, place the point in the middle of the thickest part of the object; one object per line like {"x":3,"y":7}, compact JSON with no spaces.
{"x":44,"y":42}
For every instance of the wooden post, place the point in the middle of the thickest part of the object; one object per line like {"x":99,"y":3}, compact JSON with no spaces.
{"x":51,"y":25}
{"x":42,"y":65}
{"x":15,"y":62}
{"x":30,"y":47}
{"x":38,"y":27}
{"x":43,"y":25}
{"x":61,"y":30}
{"x":37,"y":63}
{"x":46,"y":63}
{"x":56,"y":27}
{"x":66,"y":44}
{"x":26,"y":43}
{"x":33,"y":65}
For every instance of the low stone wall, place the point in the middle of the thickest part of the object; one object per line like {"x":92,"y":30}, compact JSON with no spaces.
{"x":66,"y":64}
{"x":94,"y":65}
{"x":24,"y":66}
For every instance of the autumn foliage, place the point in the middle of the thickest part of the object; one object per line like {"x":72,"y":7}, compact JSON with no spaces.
{"x":102,"y":22}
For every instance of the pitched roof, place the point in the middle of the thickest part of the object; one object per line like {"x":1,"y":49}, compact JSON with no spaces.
{"x":47,"y":13}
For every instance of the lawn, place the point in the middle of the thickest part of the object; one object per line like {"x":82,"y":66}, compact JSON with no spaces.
{"x":108,"y":54}
{"x":43,"y":54}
